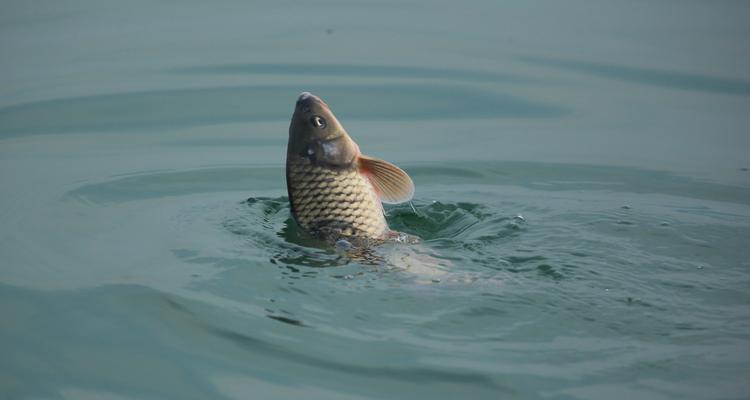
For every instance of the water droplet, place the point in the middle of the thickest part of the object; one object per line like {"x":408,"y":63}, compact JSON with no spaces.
{"x":348,"y":277}
{"x":412,"y":208}
{"x":700,"y":267}
{"x":519,"y":218}
{"x":310,"y":151}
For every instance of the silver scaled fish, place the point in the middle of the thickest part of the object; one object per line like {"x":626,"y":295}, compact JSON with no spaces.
{"x":334,"y":190}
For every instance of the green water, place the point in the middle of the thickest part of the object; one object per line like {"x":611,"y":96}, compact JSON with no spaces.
{"x":582,"y":197}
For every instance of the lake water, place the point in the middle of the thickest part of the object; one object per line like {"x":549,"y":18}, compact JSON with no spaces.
{"x":583,"y":197}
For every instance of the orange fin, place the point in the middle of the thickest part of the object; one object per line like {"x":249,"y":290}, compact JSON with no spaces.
{"x":391,"y":183}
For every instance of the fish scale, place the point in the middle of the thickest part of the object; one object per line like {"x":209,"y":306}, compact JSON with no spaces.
{"x":333,"y":202}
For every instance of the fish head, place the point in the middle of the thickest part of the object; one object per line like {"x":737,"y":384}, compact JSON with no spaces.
{"x":316,"y":134}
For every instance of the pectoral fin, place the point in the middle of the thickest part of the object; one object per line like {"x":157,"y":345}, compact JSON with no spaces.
{"x":390,"y":182}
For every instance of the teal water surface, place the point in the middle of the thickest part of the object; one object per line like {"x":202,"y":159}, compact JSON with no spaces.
{"x":583,"y":201}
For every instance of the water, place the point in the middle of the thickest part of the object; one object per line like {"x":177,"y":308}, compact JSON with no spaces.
{"x":582,"y":197}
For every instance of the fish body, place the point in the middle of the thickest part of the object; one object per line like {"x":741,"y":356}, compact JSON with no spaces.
{"x":334,"y":190}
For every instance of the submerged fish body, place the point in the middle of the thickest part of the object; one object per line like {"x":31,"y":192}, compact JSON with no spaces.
{"x":336,"y":192}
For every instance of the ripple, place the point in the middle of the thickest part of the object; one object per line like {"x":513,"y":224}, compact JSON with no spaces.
{"x":446,"y":221}
{"x":267,"y":224}
{"x":455,"y":229}
{"x":155,"y":185}
{"x":419,"y":375}
{"x":216,"y":105}
{"x":649,"y":76}
{"x":481,"y":238}
{"x":553,"y":177}
{"x":359,"y":71}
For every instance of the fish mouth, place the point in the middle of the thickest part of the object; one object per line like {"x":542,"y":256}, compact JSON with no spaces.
{"x":304,"y":96}
{"x":307,"y":100}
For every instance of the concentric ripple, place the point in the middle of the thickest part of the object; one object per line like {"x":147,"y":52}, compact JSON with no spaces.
{"x":515,"y":262}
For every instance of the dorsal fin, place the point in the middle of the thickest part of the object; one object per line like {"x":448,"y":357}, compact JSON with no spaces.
{"x":390,"y":182}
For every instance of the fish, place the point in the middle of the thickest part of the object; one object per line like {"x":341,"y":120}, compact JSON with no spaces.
{"x":336,"y":192}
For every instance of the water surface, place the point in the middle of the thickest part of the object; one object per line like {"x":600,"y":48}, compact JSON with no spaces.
{"x":583,"y":201}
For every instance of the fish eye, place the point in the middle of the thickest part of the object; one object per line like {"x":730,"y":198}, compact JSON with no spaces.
{"x":318,"y":121}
